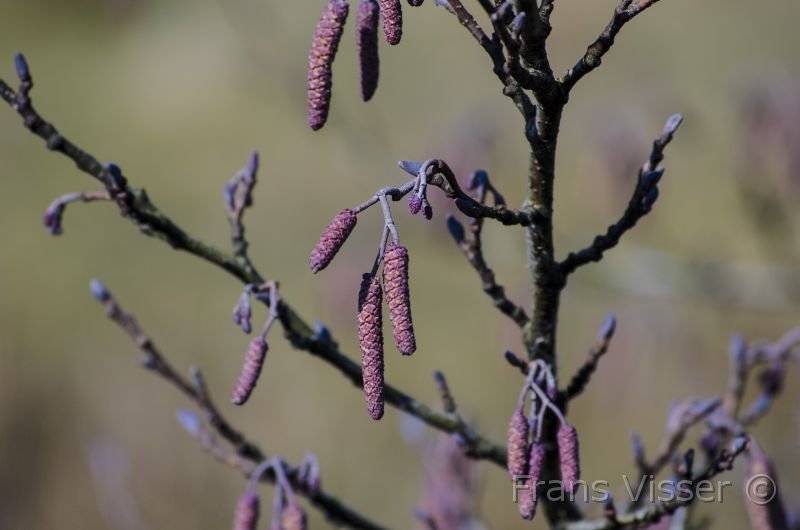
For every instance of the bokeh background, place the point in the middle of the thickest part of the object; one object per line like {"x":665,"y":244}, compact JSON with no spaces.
{"x":179,"y":92}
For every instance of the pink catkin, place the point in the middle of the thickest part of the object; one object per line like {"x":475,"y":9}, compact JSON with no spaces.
{"x":247,"y":510}
{"x":518,"y":444}
{"x":529,"y":497}
{"x":253,"y":362}
{"x":367,"y":19}
{"x":568,"y":456}
{"x":320,"y":60}
{"x":392,"y":15}
{"x":395,"y":279}
{"x":332,"y":239}
{"x":370,"y":339}
{"x":293,"y":518}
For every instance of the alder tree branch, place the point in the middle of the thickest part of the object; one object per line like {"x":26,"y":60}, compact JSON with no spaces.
{"x":135,"y":204}
{"x":195,"y":389}
{"x":624,"y":12}
{"x":472,"y":248}
{"x":644,"y":197}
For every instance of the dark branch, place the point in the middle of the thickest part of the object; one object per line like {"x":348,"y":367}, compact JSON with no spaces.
{"x":625,"y":11}
{"x":644,"y":196}
{"x":196,"y":391}
{"x":135,"y":204}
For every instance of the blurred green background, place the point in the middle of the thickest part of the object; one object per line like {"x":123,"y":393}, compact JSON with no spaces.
{"x":178,"y":93}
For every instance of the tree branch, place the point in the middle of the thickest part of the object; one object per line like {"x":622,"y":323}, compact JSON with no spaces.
{"x":135,"y":204}
{"x":196,"y":391}
{"x":625,"y":11}
{"x":644,"y":196}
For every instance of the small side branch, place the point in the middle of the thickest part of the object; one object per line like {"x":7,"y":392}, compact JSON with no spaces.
{"x":625,"y":11}
{"x":581,"y":378}
{"x":652,"y":514}
{"x":472,"y":248}
{"x":197,"y":392}
{"x":644,"y":197}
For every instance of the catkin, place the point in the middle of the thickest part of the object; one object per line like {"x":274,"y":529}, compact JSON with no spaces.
{"x":320,"y":60}
{"x":370,"y":339}
{"x":332,"y":239}
{"x":392,"y":15}
{"x":367,"y":19}
{"x":251,"y":369}
{"x":568,"y":456}
{"x":247,"y":510}
{"x":529,"y":497}
{"x":518,"y":444}
{"x":293,"y":518}
{"x":395,"y":279}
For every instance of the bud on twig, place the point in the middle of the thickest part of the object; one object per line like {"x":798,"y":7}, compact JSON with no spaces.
{"x":370,"y":339}
{"x":395,"y":277}
{"x":392,"y":15}
{"x":247,"y":511}
{"x":367,"y":47}
{"x":253,"y":362}
{"x":568,"y":456}
{"x":332,"y":239}
{"x":415,"y":3}
{"x":320,"y":60}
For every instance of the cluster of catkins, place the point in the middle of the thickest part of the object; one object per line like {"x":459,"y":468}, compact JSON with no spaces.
{"x":394,"y":258}
{"x":526,"y":450}
{"x":326,"y":40}
{"x":286,"y":512}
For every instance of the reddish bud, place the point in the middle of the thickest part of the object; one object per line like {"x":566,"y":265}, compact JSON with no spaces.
{"x":293,"y":518}
{"x":332,"y":239}
{"x":518,"y":444}
{"x":367,"y":47}
{"x":247,"y":510}
{"x":370,"y":339}
{"x":395,"y":279}
{"x":392,"y":15}
{"x":253,"y":362}
{"x":320,"y":60}
{"x":568,"y":456}
{"x":528,"y":497}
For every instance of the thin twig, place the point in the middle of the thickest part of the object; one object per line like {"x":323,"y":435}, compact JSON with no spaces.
{"x":644,"y":196}
{"x":624,"y":12}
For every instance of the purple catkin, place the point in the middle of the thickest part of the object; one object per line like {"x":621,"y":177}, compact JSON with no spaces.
{"x":392,"y":15}
{"x":568,"y":456}
{"x":414,"y":204}
{"x":518,"y":429}
{"x":395,"y":279}
{"x":370,"y":339}
{"x":762,"y":486}
{"x":320,"y":60}
{"x":247,"y":510}
{"x":332,"y":239}
{"x":367,"y":19}
{"x":529,"y":497}
{"x":253,"y":362}
{"x":293,"y":518}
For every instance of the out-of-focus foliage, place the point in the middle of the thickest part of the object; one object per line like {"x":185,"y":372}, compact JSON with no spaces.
{"x":179,"y":92}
